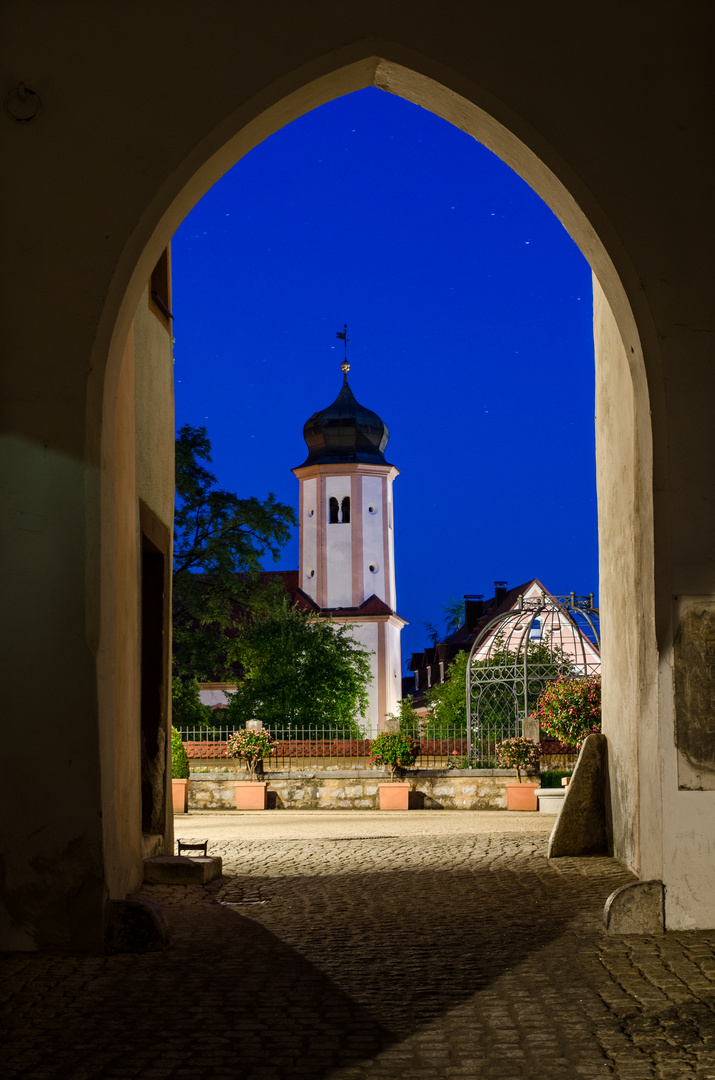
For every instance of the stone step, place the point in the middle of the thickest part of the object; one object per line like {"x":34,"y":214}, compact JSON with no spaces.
{"x":181,"y":870}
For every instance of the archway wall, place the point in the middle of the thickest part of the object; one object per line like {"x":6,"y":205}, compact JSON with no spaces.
{"x":628,"y":646}
{"x":139,"y":118}
{"x":138,"y":473}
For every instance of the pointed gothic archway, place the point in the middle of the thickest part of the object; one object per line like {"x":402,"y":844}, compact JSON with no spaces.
{"x":623,"y":402}
{"x":142,"y":151}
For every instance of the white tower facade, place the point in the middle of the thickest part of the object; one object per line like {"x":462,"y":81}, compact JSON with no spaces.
{"x":347,"y":550}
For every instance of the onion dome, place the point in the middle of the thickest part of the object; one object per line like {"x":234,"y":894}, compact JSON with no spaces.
{"x":345,"y":432}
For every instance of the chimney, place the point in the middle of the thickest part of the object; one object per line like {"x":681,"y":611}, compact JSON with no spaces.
{"x":473,"y":610}
{"x":499,"y":593}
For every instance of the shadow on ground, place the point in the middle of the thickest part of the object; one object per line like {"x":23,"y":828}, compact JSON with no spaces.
{"x":327,"y":973}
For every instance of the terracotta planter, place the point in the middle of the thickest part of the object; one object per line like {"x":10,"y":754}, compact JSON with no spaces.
{"x":394,"y":796}
{"x":251,"y":795}
{"x":521,"y":796}
{"x":180,"y":796}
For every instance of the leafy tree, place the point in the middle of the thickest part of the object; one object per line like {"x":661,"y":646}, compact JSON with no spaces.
{"x":453,"y":612}
{"x":220,"y":541}
{"x":407,"y":719}
{"x":301,"y":671}
{"x":447,"y":702}
{"x":187,"y":709}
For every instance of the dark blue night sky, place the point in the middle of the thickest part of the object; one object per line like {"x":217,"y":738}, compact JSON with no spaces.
{"x":469,"y":312}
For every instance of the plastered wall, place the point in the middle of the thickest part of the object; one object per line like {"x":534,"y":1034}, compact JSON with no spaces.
{"x":609,"y":120}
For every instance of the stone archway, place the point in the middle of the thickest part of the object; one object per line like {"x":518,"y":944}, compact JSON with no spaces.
{"x":137,"y":122}
{"x":623,"y":401}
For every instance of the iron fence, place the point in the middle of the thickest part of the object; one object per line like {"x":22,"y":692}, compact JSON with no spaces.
{"x":310,"y":748}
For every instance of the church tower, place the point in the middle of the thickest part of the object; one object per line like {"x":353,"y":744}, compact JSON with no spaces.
{"x":347,"y":552}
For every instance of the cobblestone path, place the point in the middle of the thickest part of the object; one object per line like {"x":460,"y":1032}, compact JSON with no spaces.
{"x":375,"y":958}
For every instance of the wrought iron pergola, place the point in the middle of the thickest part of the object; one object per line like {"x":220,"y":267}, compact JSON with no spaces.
{"x":513,"y":658}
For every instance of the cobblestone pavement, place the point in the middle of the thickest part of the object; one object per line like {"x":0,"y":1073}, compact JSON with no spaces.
{"x":399,"y":955}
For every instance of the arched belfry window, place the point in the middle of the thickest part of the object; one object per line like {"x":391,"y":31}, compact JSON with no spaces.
{"x":339,"y":510}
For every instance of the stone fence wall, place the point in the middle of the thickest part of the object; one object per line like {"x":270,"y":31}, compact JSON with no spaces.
{"x":430,"y":789}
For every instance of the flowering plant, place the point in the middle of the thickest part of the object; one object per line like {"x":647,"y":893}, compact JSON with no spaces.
{"x":253,"y":746}
{"x":394,"y":749}
{"x":570,"y":709}
{"x":518,"y":753}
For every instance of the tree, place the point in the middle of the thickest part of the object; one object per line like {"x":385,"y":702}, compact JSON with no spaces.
{"x":300,"y":670}
{"x":453,"y":612}
{"x":447,"y":702}
{"x":220,"y":541}
{"x":187,"y":709}
{"x":405,"y":719}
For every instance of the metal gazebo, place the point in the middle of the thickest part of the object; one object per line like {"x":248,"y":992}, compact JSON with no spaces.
{"x":543,"y":638}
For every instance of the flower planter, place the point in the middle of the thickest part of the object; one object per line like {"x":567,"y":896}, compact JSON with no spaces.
{"x":521,"y":796}
{"x":180,"y":796}
{"x":251,"y":795}
{"x":550,"y":799}
{"x":394,"y":796}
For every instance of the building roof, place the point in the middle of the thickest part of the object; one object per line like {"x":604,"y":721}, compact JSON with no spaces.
{"x":345,"y":432}
{"x":289,"y":580}
{"x":463,"y":638}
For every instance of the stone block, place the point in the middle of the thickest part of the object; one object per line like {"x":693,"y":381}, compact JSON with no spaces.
{"x":134,"y":926}
{"x":550,"y":800}
{"x":580,"y":829}
{"x":638,"y":908}
{"x":181,"y":870}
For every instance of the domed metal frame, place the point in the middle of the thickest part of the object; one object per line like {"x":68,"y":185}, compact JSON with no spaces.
{"x":516,"y":655}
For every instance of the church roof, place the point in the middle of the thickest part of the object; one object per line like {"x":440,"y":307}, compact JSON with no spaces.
{"x":345,"y":432}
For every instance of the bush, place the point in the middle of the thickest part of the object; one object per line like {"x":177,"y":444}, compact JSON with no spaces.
{"x":394,"y":749}
{"x":179,"y":758}
{"x":252,"y":746}
{"x":518,"y":753}
{"x":553,"y":777}
{"x":570,"y":709}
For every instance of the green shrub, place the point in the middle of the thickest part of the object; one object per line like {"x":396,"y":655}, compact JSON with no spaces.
{"x":394,"y":749}
{"x":553,"y":777}
{"x":179,"y":757}
{"x":462,"y":762}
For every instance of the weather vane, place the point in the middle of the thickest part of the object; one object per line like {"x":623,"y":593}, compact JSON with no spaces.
{"x":343,"y":335}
